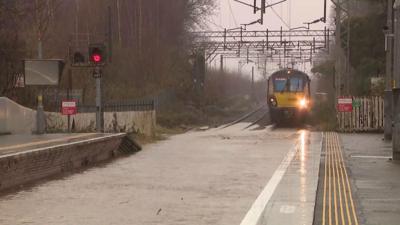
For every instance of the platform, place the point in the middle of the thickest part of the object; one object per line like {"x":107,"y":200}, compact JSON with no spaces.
{"x":11,"y":144}
{"x":29,"y":158}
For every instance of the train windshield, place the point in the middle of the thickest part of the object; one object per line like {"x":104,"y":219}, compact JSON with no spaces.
{"x":280,"y":84}
{"x":293,"y":84}
{"x":296,"y":85}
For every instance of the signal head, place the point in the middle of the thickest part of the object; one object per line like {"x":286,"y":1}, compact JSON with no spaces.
{"x":97,"y":54}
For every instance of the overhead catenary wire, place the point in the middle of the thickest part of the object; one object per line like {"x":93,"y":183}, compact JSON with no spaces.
{"x":279,"y":16}
{"x":285,"y":19}
{"x":263,"y":8}
{"x":232,"y":14}
{"x":214,"y":23}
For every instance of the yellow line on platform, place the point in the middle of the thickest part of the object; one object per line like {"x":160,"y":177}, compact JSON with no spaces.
{"x":345,"y":190}
{"x":338,"y":182}
{"x":34,"y":143}
{"x":325,"y":175}
{"x":330,"y":177}
{"x":348,"y":184}
{"x":335,"y":190}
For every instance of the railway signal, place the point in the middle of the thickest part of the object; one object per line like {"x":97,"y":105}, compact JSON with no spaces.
{"x":97,"y":54}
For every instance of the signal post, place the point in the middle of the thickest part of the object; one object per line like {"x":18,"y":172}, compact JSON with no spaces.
{"x":97,"y":59}
{"x":97,"y":74}
{"x":93,"y":57}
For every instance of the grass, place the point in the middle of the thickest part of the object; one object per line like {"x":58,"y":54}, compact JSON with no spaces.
{"x":323,"y":117}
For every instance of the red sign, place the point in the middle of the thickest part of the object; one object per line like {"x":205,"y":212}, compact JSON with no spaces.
{"x":68,"y":107}
{"x":345,"y":104}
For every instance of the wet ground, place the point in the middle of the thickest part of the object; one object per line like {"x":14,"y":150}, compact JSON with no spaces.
{"x":375,"y":178}
{"x":219,"y":176}
{"x":358,"y":181}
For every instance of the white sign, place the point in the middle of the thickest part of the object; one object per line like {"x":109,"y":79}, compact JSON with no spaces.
{"x":43,"y":72}
{"x":69,"y":104}
{"x":345,"y":101}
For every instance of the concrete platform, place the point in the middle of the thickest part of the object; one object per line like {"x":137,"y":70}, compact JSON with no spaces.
{"x":28,"y":158}
{"x":375,"y":178}
{"x":293,"y":202}
{"x":11,"y":144}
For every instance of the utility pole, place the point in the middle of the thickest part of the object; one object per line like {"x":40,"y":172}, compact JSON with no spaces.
{"x":69,"y":89}
{"x":109,"y":35}
{"x":389,"y":72}
{"x":338,"y":66}
{"x":347,"y":50}
{"x":222,"y":64}
{"x":119,"y":23}
{"x":40,"y":115}
{"x":396,"y":83}
{"x":140,"y":25}
{"x":253,"y":96}
{"x":342,"y":48}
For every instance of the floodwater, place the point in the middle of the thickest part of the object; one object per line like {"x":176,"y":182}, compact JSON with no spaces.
{"x":210,"y":177}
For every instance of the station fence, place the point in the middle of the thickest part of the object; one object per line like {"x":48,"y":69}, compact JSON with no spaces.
{"x":122,"y":106}
{"x":367,"y":116}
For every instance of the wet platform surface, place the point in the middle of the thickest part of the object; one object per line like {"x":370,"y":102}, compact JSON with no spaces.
{"x":375,"y":178}
{"x":12,"y":144}
{"x":199,"y":178}
{"x":293,"y":202}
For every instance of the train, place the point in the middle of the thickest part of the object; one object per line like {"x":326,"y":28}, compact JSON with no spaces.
{"x":289,"y":96}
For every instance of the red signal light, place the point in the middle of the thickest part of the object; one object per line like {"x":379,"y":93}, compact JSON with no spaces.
{"x":97,"y":54}
{"x":96,"y":58}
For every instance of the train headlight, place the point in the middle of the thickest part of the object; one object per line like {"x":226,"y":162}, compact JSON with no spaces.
{"x":273,"y":102}
{"x":303,"y":103}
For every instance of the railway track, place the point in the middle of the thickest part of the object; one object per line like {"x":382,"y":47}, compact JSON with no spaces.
{"x":254,"y":117}
{"x":262,"y":120}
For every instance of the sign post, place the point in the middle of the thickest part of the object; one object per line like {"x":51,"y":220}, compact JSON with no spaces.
{"x":69,"y":108}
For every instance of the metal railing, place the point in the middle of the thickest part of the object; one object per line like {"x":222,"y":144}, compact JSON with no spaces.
{"x":122,"y":106}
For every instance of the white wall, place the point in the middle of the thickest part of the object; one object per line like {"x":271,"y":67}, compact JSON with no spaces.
{"x":133,"y":121}
{"x":15,"y":118}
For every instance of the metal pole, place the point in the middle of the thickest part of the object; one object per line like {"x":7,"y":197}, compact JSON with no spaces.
{"x":222,"y":64}
{"x":396,"y":128}
{"x":252,"y":83}
{"x":40,"y":49}
{"x":338,"y":71}
{"x":40,"y":116}
{"x":119,"y":23}
{"x":389,"y":72}
{"x":348,"y":52}
{"x":109,"y":35}
{"x":396,"y":83}
{"x":69,"y":96}
{"x":99,"y":106}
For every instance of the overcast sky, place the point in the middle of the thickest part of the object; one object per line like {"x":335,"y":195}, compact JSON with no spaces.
{"x":293,"y":13}
{"x":290,"y":14}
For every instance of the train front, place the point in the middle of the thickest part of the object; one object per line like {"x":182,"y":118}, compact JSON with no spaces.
{"x":289,"y":96}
